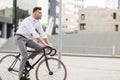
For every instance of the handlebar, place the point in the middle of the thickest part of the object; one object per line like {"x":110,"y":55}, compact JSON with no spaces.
{"x":51,"y":52}
{"x":47,"y":50}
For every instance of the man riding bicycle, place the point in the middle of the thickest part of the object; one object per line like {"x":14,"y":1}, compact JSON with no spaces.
{"x":30,"y":26}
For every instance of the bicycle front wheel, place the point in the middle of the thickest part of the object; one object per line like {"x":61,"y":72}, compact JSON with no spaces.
{"x":57,"y":67}
{"x":5,"y":72}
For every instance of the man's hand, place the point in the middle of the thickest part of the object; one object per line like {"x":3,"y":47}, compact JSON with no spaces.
{"x":48,"y":46}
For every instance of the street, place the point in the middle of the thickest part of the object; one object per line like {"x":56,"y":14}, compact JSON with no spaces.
{"x":89,"y":68}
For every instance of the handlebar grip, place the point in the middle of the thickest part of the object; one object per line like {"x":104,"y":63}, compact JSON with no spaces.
{"x":51,"y":49}
{"x":54,"y":52}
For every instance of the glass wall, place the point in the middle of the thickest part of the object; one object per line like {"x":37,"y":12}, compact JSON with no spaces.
{"x":6,"y":9}
{"x":27,"y":5}
{"x":8,"y":21}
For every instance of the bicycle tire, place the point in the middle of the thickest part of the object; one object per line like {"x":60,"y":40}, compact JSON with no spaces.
{"x":58,"y":73}
{"x":5,"y":63}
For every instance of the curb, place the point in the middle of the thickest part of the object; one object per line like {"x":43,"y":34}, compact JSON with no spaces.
{"x":72,"y":54}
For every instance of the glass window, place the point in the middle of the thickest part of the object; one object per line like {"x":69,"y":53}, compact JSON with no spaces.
{"x":82,"y":16}
{"x":116,"y":28}
{"x":114,"y":15}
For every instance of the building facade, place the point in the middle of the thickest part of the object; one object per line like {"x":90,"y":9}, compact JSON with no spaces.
{"x":6,"y":18}
{"x":5,"y":22}
{"x":70,"y":13}
{"x":95,"y":19}
{"x":24,"y":9}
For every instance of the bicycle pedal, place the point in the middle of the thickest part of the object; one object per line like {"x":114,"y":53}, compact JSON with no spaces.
{"x":25,"y":72}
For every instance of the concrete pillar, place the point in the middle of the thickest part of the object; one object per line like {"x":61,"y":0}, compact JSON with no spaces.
{"x":0,"y":78}
{"x":4,"y":30}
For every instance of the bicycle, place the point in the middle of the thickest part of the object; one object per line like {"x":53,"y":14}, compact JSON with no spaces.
{"x":49,"y":68}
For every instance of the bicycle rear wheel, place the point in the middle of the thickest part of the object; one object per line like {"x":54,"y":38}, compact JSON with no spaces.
{"x":5,"y":72}
{"x":56,"y":66}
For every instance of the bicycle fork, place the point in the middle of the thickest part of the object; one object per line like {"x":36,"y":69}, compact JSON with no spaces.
{"x":47,"y":64}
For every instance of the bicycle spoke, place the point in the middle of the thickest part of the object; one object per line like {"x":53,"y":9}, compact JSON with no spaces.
{"x":58,"y":73}
{"x":5,"y":63}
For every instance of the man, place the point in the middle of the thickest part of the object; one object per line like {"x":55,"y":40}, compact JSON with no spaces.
{"x":30,"y":27}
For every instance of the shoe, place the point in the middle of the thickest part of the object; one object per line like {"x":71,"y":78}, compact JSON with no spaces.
{"x":24,"y":78}
{"x":28,"y":64}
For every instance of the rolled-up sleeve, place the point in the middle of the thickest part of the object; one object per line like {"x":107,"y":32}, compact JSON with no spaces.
{"x":41,"y":31}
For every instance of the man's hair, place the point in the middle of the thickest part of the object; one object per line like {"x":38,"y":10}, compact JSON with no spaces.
{"x":36,"y":8}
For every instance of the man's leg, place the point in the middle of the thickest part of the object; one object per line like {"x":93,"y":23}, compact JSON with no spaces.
{"x":24,"y":57}
{"x":34,"y":45}
{"x":21,"y":44}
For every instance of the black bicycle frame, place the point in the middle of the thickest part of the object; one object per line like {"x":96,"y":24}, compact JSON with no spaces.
{"x":11,"y":68}
{"x":32,"y":66}
{"x":44,"y":55}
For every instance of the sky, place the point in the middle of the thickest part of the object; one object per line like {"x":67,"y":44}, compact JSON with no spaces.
{"x":99,"y":3}
{"x":44,"y":5}
{"x":8,"y":3}
{"x":29,"y":4}
{"x":87,"y":2}
{"x":23,"y":4}
{"x":5,"y":3}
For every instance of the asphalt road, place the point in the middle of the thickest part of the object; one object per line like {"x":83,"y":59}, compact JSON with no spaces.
{"x":88,"y":68}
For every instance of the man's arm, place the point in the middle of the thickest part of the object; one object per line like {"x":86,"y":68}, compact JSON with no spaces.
{"x":42,"y":34}
{"x":46,"y":40}
{"x":40,"y":40}
{"x":32,"y":30}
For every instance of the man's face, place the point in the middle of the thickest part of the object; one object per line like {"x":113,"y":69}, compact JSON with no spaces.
{"x":38,"y":14}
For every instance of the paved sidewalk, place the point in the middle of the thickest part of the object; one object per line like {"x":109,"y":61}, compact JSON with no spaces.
{"x":89,"y":68}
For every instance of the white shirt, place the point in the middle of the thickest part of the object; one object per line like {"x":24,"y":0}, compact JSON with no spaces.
{"x":29,"y":26}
